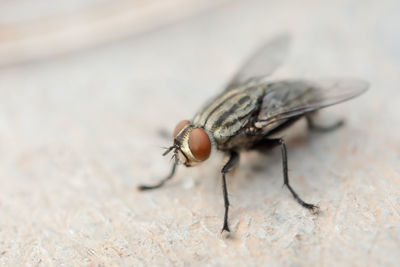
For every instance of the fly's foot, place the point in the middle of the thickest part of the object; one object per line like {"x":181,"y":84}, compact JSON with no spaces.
{"x":225,"y":228}
{"x":160,"y":183}
{"x":146,"y":187}
{"x":314,"y":209}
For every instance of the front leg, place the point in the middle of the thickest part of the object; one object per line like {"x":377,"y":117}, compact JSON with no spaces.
{"x":233,"y":160}
{"x":161,"y":182}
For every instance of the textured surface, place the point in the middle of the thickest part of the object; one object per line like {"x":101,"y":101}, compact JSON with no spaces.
{"x":78,"y":133}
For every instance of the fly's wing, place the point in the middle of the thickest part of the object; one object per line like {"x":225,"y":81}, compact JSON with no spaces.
{"x":290,"y":98}
{"x":263,"y":62}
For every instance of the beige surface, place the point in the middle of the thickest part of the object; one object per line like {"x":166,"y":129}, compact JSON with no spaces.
{"x":78,"y":133}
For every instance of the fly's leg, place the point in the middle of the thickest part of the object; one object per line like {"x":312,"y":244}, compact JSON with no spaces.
{"x":281,"y":142}
{"x":162,"y":182}
{"x":323,"y":129}
{"x":233,"y":160}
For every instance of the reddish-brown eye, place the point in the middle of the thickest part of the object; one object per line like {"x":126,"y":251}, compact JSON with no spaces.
{"x":199,"y":144}
{"x":180,"y":126}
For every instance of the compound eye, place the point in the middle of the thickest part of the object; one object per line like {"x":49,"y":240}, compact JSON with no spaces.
{"x":180,"y":126}
{"x":199,"y":144}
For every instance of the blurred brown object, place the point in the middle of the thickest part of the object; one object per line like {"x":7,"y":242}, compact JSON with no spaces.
{"x":49,"y":28}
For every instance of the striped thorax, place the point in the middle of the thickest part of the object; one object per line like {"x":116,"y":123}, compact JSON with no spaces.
{"x":227,"y":114}
{"x":218,"y":123}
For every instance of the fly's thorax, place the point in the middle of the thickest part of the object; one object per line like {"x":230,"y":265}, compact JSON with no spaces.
{"x":226,"y":115}
{"x":192,"y":144}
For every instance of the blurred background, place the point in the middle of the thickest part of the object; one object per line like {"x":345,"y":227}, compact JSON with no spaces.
{"x":38,"y":29}
{"x":89,"y":88}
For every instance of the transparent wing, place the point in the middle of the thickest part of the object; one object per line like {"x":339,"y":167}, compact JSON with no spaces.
{"x":263,"y":62}
{"x":291,"y":98}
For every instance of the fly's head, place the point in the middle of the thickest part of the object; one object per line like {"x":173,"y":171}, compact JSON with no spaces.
{"x":192,"y":145}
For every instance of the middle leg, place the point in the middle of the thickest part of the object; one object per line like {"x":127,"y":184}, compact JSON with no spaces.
{"x":233,"y":160}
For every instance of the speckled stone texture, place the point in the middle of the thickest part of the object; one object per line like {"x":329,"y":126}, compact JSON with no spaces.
{"x":79,"y":132}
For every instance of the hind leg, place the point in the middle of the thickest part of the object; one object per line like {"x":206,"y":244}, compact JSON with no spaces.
{"x":322,"y":129}
{"x":270,"y":143}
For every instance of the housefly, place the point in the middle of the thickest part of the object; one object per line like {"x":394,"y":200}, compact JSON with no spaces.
{"x":250,"y":110}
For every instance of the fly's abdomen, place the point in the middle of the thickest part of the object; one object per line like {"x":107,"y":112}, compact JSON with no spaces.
{"x":227,"y":114}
